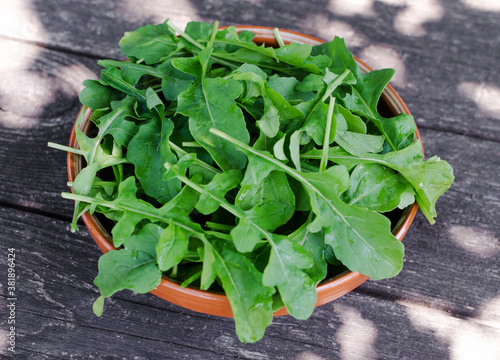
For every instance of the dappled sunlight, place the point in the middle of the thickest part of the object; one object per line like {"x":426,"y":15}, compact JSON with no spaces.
{"x":484,"y":95}
{"x":21,"y":98}
{"x":352,"y":7}
{"x":468,"y":339}
{"x":490,"y":313}
{"x":480,"y":242}
{"x":408,"y":21}
{"x":411,"y":19}
{"x":25,"y":92}
{"x":326,"y":29}
{"x":179,"y":11}
{"x":71,"y":78}
{"x":308,"y":355}
{"x":3,"y":340}
{"x":483,"y":5}
{"x":19,"y":20}
{"x":384,"y":56}
{"x":356,"y":336}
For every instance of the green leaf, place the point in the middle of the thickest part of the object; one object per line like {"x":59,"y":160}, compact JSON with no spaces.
{"x":219,"y":186}
{"x":314,"y":245}
{"x":98,"y":306}
{"x":210,"y":103}
{"x":91,"y":147}
{"x":286,"y":87}
{"x":145,"y":152}
{"x":361,"y":239}
{"x":127,"y":269}
{"x":430,"y":178}
{"x":363,"y":99}
{"x":246,"y":235}
{"x":341,"y":57}
{"x":114,"y":78}
{"x":231,"y":41}
{"x":353,"y":122}
{"x":315,"y":111}
{"x":359,"y":144}
{"x":279,"y":149}
{"x":146,"y":240}
{"x":270,"y":203}
{"x":172,"y":246}
{"x":131,"y":72}
{"x":297,"y":55}
{"x":174,"y":81}
{"x":97,"y":95}
{"x":286,"y":271}
{"x":289,"y":258}
{"x":133,"y":210}
{"x":85,"y":178}
{"x":295,"y":142}
{"x":399,"y":129}
{"x":275,"y":106}
{"x":150,"y":42}
{"x":375,"y":187}
{"x":132,"y":268}
{"x":251,"y":301}
{"x":94,"y":153}
{"x":208,"y":273}
{"x":199,"y":31}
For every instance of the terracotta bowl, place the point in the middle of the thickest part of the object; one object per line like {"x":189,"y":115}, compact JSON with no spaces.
{"x":217,"y":303}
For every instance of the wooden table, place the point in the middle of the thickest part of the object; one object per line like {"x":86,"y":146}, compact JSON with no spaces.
{"x":445,"y":304}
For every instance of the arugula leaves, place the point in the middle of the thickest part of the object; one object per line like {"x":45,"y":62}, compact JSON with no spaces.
{"x":208,"y":103}
{"x":227,"y":164}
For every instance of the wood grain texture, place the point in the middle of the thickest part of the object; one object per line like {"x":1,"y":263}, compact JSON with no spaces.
{"x":445,"y":304}
{"x":444,"y":54}
{"x":55,"y":270}
{"x":39,"y":103}
{"x":461,"y":252}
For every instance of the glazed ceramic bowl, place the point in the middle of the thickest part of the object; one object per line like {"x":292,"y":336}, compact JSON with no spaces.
{"x":217,"y":303}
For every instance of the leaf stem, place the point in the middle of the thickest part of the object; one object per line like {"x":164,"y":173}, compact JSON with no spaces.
{"x":65,"y":148}
{"x":335,"y":84}
{"x":326,"y":141}
{"x":97,"y":183}
{"x":181,"y":152}
{"x":150,"y":214}
{"x":217,"y":226}
{"x":252,"y":150}
{"x":294,"y":173}
{"x":212,"y":35}
{"x":278,"y":37}
{"x":305,"y":167}
{"x":184,"y":35}
{"x":220,"y":235}
{"x":201,"y":190}
{"x":223,"y":203}
{"x":190,"y":279}
{"x":191,"y":144}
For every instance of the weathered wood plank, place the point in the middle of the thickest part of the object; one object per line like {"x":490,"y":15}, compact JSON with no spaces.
{"x":39,"y":103}
{"x":55,"y":270}
{"x":444,"y":56}
{"x":454,"y":263}
{"x":445,"y":302}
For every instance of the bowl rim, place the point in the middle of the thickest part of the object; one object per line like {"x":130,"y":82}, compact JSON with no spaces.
{"x":213,"y":303}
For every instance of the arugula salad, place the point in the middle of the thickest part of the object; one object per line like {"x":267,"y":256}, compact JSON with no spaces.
{"x":235,"y":167}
